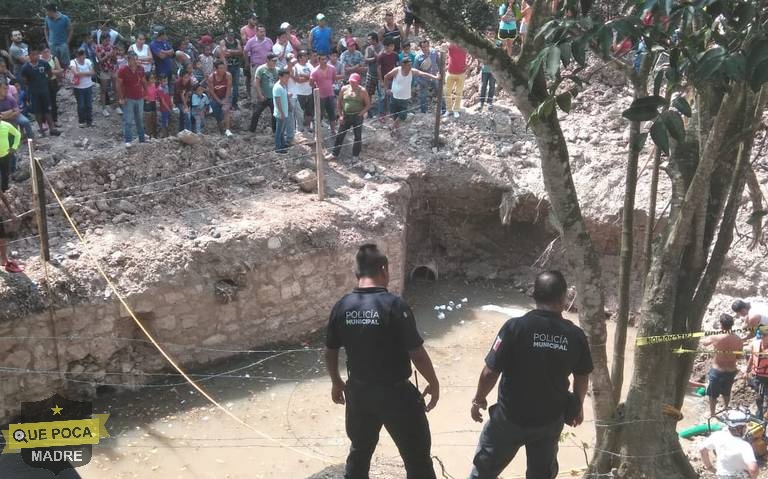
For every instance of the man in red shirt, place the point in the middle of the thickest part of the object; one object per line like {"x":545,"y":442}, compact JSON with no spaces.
{"x":386,"y":62}
{"x":131,"y":85}
{"x":458,"y":65}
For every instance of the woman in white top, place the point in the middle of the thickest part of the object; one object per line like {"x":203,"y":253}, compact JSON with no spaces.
{"x":142,"y":51}
{"x":82,"y":74}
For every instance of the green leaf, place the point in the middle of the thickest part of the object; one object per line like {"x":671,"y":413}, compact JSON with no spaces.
{"x":579,"y":50}
{"x":546,"y":108}
{"x":709,"y":63}
{"x":532,"y":119}
{"x":756,"y":216}
{"x":674,"y":124}
{"x":759,"y":76}
{"x":743,"y":13}
{"x":659,"y":136}
{"x":605,"y":40}
{"x":553,"y":61}
{"x":535,"y":67}
{"x":640,"y":113}
{"x":682,"y":105}
{"x":653,"y":101}
{"x":757,"y":52}
{"x":736,"y":67}
{"x":564,"y":101}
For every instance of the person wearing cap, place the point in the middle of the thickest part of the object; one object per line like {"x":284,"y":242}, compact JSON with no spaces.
{"x":58,"y":32}
{"x":283,"y":49}
{"x":105,"y":30}
{"x":321,"y":36}
{"x":230,"y":50}
{"x":352,"y":60}
{"x":256,"y":51}
{"x":353,"y":103}
{"x":734,"y":456}
{"x":754,"y":316}
{"x":347,"y":36}
{"x":399,"y":82}
{"x":247,"y":32}
{"x":295,"y":42}
{"x":131,"y":85}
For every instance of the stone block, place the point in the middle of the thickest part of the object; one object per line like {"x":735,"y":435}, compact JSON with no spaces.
{"x":290,"y":290}
{"x":188,"y":322}
{"x":281,"y":273}
{"x":268,"y":294}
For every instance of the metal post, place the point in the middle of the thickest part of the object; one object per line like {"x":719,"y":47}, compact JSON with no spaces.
{"x":38,"y":193}
{"x":319,"y":148}
{"x":438,"y":113}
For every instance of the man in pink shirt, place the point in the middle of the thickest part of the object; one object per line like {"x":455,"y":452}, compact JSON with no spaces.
{"x":322,"y":78}
{"x":256,"y":50}
{"x":458,"y":65}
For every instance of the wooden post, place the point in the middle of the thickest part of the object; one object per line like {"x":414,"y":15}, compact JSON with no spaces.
{"x":319,"y":148}
{"x":438,"y":113}
{"x":38,"y":193}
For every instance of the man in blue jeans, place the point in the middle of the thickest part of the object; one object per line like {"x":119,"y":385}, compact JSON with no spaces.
{"x":131,"y":86}
{"x":534,"y":355}
{"x":280,"y":110}
{"x":58,"y":33}
{"x":428,"y":61}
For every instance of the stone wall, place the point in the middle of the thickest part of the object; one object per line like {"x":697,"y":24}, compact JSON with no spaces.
{"x":236,"y":296}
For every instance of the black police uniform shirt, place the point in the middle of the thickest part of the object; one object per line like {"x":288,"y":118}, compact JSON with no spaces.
{"x":377,"y":329}
{"x":535,"y":354}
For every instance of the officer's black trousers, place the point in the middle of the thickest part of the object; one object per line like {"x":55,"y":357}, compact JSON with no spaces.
{"x":400,"y":409}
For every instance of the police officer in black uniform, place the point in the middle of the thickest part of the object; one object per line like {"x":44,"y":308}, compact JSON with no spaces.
{"x":377,"y":329}
{"x":534,"y":355}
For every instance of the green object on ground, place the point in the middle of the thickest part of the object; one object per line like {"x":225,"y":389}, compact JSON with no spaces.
{"x":699,"y":429}
{"x":701,"y":391}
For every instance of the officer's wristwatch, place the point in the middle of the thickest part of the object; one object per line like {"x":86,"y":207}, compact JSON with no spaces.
{"x":481,"y":404}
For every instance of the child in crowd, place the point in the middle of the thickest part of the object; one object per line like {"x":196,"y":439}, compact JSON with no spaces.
{"x":406,"y":52}
{"x":150,"y":104}
{"x":198,"y":74}
{"x":164,"y":104}
{"x":206,"y":61}
{"x":199,"y":107}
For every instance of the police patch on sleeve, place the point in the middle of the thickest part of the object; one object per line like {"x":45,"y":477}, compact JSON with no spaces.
{"x":497,"y":343}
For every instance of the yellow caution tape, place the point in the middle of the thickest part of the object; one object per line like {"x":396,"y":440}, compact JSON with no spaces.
{"x":668,"y":338}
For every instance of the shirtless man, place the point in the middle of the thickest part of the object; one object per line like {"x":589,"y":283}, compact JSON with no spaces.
{"x":754,"y":315}
{"x":720,"y":377}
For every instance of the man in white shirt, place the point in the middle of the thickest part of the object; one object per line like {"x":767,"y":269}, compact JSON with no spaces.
{"x":734,"y":456}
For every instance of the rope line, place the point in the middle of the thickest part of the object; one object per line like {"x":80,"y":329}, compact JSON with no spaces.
{"x":149,"y":336}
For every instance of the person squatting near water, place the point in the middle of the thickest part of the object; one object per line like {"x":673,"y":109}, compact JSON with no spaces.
{"x":377,"y":329}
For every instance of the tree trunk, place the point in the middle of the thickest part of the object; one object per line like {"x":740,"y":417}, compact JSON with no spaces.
{"x":651,"y":221}
{"x":625,"y":261}
{"x":556,"y":171}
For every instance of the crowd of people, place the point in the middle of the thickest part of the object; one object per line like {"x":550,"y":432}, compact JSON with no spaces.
{"x":150,"y":80}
